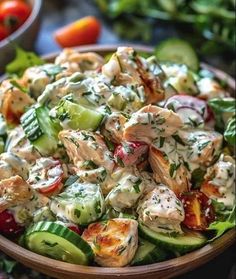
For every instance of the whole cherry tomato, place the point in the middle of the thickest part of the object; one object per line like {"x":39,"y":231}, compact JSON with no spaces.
{"x":13,"y":13}
{"x":3,"y":32}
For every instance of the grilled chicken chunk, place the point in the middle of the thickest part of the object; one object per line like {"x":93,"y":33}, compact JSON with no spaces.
{"x":84,"y":146}
{"x":114,"y":242}
{"x":13,"y":102}
{"x":75,"y":61}
{"x":14,"y":191}
{"x":176,"y":177}
{"x":11,"y":164}
{"x":126,"y":67}
{"x":161,"y":211}
{"x":151,"y":122}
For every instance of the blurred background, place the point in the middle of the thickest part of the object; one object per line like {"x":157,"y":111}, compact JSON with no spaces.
{"x":208,"y":25}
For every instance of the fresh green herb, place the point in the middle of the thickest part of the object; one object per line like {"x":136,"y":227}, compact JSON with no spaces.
{"x":89,"y":165}
{"x":197,"y":178}
{"x":121,"y":249}
{"x":136,"y":185}
{"x":97,"y":207}
{"x":109,"y":144}
{"x":162,"y":141}
{"x":18,"y":86}
{"x":173,"y":168}
{"x":77,"y":213}
{"x":178,"y":139}
{"x":203,"y":145}
{"x":120,"y":162}
{"x":72,"y":179}
{"x":22,"y":61}
{"x":128,"y":149}
{"x":230,"y":131}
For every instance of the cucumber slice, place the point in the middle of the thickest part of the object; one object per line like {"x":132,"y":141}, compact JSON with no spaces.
{"x":189,"y":241}
{"x":177,"y":51}
{"x":78,"y":117}
{"x":148,"y":253}
{"x":58,"y":242}
{"x":41,"y":130}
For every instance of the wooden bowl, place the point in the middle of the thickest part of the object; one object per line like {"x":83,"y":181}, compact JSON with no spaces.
{"x":166,"y":269}
{"x":24,"y":36}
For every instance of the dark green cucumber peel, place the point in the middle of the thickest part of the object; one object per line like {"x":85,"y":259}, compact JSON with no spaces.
{"x":58,"y":242}
{"x":40,"y":129}
{"x":182,"y":244}
{"x":148,"y":253}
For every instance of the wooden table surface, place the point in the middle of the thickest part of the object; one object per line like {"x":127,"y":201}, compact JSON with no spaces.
{"x":57,"y":13}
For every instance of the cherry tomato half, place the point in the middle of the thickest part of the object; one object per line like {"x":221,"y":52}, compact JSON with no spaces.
{"x":46,"y":176}
{"x":199,"y":212}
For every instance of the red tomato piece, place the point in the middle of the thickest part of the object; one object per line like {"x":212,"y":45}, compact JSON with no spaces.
{"x":81,"y":32}
{"x":14,"y":13}
{"x":75,"y":229}
{"x":3,"y":32}
{"x":199,"y":212}
{"x":8,"y":225}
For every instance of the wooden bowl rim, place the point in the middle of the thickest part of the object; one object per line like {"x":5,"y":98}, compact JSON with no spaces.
{"x":36,"y":8}
{"x":177,"y":265}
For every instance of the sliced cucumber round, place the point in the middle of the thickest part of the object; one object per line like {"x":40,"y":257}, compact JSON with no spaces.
{"x":184,"y":243}
{"x":148,"y":253}
{"x":78,"y":117}
{"x":58,"y":242}
{"x":177,"y":51}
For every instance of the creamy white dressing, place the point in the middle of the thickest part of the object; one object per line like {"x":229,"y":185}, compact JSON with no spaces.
{"x":126,"y":192}
{"x":23,"y":214}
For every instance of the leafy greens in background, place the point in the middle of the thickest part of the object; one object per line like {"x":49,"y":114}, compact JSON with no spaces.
{"x":22,"y":61}
{"x":222,"y":106}
{"x":211,"y":21}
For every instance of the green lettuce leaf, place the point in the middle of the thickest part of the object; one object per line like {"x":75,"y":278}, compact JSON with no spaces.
{"x":220,"y":227}
{"x":22,"y":61}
